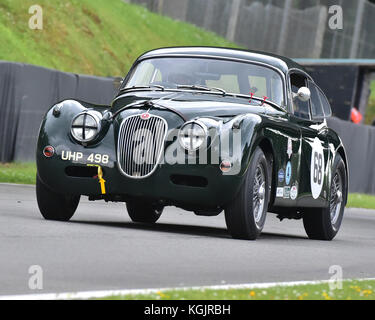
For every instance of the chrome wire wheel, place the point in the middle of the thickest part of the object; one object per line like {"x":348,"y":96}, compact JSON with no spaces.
{"x":246,"y":214}
{"x":336,"y":198}
{"x":259,"y":189}
{"x":324,"y":223}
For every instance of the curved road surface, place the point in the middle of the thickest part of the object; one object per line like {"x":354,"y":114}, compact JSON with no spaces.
{"x":101,"y":249}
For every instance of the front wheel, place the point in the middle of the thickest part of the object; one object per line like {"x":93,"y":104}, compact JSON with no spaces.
{"x":245,"y":216}
{"x":143,"y":212}
{"x":324,"y":223}
{"x":55,"y":206}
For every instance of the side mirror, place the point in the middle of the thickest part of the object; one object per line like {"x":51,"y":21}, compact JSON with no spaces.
{"x":303,"y":94}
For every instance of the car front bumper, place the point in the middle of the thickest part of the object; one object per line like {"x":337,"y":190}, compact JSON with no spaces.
{"x":196,"y":185}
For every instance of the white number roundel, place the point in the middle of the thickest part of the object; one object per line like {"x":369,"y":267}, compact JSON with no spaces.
{"x":317,"y":168}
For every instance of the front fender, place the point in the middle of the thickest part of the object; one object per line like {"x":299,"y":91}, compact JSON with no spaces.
{"x":337,"y":147}
{"x":55,"y":131}
{"x":242,"y":132}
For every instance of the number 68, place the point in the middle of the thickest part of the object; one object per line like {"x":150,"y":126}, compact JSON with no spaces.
{"x":318,"y":167}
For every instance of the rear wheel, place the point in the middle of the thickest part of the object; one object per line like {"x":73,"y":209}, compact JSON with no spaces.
{"x":245,"y":216}
{"x":55,"y":206}
{"x":143,"y":212}
{"x":324,"y":223}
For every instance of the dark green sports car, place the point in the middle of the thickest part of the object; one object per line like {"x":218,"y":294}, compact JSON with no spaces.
{"x":204,"y":129}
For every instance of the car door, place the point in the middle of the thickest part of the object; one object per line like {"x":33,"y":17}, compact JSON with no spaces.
{"x":316,"y":152}
{"x":313,"y":167}
{"x":288,"y":160}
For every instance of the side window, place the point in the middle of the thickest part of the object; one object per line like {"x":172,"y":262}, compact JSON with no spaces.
{"x":316,"y":102}
{"x":326,"y":106}
{"x":300,"y":108}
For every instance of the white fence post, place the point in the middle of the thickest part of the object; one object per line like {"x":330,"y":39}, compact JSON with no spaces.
{"x":357,"y":29}
{"x":160,"y":6}
{"x":233,"y":18}
{"x":319,"y":37}
{"x":284,"y":27}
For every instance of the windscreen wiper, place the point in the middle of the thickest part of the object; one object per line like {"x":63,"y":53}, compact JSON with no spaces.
{"x":142,"y":87}
{"x":199,"y":87}
{"x":261,"y":101}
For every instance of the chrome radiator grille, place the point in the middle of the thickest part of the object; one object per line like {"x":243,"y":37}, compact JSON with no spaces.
{"x":140,"y":144}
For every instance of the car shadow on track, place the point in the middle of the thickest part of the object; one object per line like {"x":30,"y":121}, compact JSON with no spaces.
{"x":192,"y":230}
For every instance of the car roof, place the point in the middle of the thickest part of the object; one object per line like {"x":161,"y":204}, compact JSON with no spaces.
{"x":282,"y":63}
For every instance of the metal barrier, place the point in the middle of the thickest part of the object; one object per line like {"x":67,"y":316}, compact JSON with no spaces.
{"x":298,"y":29}
{"x":359,"y":142}
{"x":26,"y":93}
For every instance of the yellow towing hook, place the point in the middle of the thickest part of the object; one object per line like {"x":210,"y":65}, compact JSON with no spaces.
{"x":100,"y":177}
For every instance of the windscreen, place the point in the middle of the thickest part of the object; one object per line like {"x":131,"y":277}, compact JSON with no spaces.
{"x":232,"y":76}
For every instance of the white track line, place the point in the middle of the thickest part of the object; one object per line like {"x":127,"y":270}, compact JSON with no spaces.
{"x":17,"y":185}
{"x":106,"y":293}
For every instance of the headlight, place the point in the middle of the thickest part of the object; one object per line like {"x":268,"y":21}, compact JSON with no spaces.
{"x":86,"y":126}
{"x":192,"y":135}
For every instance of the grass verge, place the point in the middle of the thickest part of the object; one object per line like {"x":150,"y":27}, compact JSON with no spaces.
{"x":25,"y":173}
{"x":18,"y":173}
{"x":357,"y":200}
{"x":101,"y":37}
{"x":351,"y":290}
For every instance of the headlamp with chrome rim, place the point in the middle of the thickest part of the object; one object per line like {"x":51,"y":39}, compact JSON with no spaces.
{"x":193,"y":135}
{"x":86,"y":126}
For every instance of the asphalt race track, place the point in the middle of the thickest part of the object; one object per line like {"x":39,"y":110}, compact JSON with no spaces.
{"x":101,"y":249}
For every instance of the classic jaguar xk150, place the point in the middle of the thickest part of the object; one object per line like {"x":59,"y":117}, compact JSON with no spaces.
{"x":204,"y":129}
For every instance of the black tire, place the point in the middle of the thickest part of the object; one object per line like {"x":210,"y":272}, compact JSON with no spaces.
{"x":239,"y":214}
{"x":55,"y":206}
{"x":318,"y":222}
{"x":143,"y":212}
